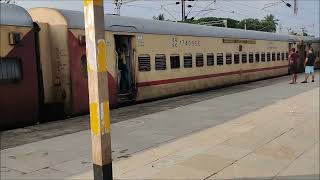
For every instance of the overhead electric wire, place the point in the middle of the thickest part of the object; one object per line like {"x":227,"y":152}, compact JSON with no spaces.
{"x":291,"y":19}
{"x":204,"y":8}
{"x":207,"y":10}
{"x":253,"y":7}
{"x":169,"y":13}
{"x":192,"y":7}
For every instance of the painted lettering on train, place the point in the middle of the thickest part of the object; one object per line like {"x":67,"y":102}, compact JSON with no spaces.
{"x":179,"y":42}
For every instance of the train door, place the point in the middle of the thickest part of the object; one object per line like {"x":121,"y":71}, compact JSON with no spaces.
{"x":125,"y":68}
{"x":78,"y":73}
{"x":37,"y":29}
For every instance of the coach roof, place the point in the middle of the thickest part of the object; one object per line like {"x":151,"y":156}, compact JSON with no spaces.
{"x":138,"y":25}
{"x":14,"y":15}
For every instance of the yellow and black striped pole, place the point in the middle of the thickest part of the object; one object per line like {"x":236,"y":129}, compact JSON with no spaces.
{"x":98,"y":89}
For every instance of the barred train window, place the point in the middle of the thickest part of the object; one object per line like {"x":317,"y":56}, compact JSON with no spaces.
{"x":273,"y":56}
{"x":144,"y":62}
{"x":244,"y":58}
{"x":287,"y":55}
{"x":175,"y":61}
{"x":278,"y":56}
{"x":187,"y":59}
{"x":10,"y":70}
{"x":268,"y":56}
{"x":199,"y":60}
{"x":282,"y":56}
{"x":263,"y":57}
{"x":160,"y":62}
{"x":251,"y":58}
{"x":257,"y":57}
{"x":228,"y":58}
{"x":220,"y":59}
{"x":236,"y":58}
{"x":210,"y":59}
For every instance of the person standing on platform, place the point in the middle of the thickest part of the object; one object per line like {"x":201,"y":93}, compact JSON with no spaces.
{"x":293,"y":57}
{"x":309,"y":65}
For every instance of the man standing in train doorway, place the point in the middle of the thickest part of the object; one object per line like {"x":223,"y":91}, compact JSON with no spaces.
{"x":309,"y":65}
{"x":122,"y":65}
{"x":293,"y":57}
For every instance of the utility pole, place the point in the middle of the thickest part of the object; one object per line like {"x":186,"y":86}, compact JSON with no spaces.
{"x":183,"y":8}
{"x":289,"y":29}
{"x":303,"y":30}
{"x":118,"y":4}
{"x":280,"y":27}
{"x":225,"y":22}
{"x":245,"y":24}
{"x":98,"y":89}
{"x":295,"y":7}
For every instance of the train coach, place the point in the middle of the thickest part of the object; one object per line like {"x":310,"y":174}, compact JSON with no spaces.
{"x":162,"y":58}
{"x":150,"y":59}
{"x":19,"y":80}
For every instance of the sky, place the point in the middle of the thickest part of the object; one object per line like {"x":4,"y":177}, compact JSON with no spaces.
{"x":307,"y":17}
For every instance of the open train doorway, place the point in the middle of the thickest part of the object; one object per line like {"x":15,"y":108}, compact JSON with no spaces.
{"x":125,"y":68}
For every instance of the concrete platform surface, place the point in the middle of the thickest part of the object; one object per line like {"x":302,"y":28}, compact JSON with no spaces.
{"x":280,"y":141}
{"x":266,"y":133}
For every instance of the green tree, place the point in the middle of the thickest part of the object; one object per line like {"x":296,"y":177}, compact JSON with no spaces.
{"x":159,"y":17}
{"x":269,"y":23}
{"x":230,"y":22}
{"x":250,"y":24}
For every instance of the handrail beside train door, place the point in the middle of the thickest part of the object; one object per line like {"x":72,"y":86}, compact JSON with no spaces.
{"x":133,"y":69}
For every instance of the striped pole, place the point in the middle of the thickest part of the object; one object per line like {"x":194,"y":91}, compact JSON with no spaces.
{"x":98,"y":89}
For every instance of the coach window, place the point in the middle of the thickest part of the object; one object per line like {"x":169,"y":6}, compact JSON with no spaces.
{"x":14,"y":38}
{"x":273,"y":56}
{"x":282,"y":56}
{"x":278,"y":56}
{"x":144,"y":62}
{"x":287,"y":56}
{"x":199,"y":60}
{"x":228,"y":58}
{"x":251,"y":58}
{"x":210,"y":59}
{"x":175,"y":61}
{"x":268,"y":56}
{"x":257,"y":56}
{"x":244,"y":58}
{"x":236,"y":58}
{"x":220,"y":59}
{"x":263,"y":57}
{"x":187,"y":59}
{"x":10,"y":70}
{"x":160,"y":62}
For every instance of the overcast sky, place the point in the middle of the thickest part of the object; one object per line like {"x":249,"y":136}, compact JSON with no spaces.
{"x":308,"y":13}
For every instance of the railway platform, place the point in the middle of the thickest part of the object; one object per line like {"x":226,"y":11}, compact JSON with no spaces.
{"x":268,"y":131}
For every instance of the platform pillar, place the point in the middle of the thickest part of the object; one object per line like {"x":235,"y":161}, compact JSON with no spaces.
{"x":98,"y":89}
